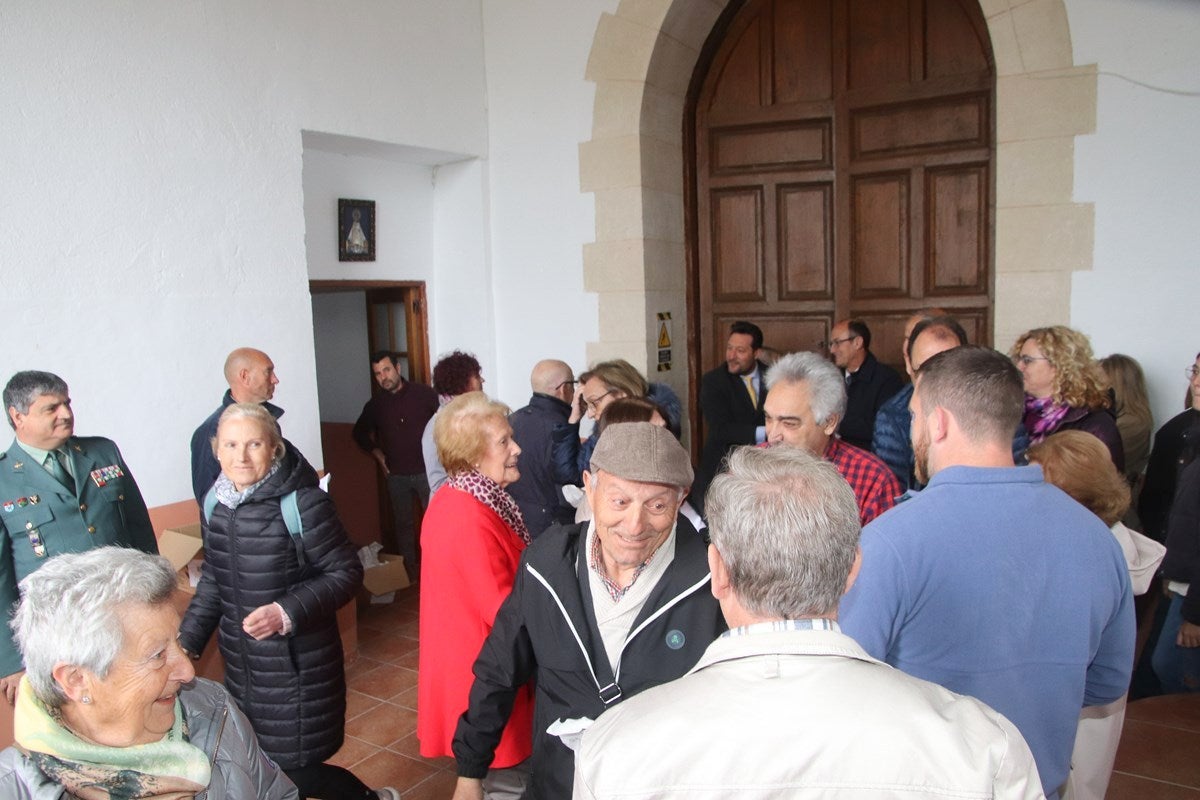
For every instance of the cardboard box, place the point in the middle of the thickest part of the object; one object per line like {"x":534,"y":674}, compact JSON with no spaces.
{"x":387,"y":577}
{"x":184,"y":548}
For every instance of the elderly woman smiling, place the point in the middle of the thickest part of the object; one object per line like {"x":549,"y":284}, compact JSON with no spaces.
{"x":473,"y":537}
{"x":272,"y":592}
{"x":108,"y":706}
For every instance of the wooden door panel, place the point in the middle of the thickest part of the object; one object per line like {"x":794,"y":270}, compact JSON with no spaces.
{"x":805,"y":214}
{"x":840,"y":165}
{"x":956,"y":45}
{"x":956,"y":257}
{"x":786,"y":333}
{"x":878,"y":43}
{"x":737,"y":244}
{"x":803,"y":145}
{"x":879,"y":245}
{"x":930,"y":125}
{"x":803,"y":47}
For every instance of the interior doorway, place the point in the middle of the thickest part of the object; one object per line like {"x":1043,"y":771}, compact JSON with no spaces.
{"x":352,"y":320}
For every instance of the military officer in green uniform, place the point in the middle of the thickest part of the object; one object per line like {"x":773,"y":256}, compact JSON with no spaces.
{"x":58,"y":494}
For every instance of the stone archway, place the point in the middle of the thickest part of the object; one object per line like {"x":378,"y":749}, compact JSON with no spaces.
{"x":642,"y":60}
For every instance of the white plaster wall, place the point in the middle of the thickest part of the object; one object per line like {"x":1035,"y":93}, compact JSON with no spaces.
{"x":1141,"y":171}
{"x":461,"y":298}
{"x":340,"y":342}
{"x":150,"y":189}
{"x":539,"y":111}
{"x":403,"y":195}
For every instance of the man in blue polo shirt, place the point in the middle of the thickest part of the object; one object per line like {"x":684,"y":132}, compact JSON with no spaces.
{"x":990,"y":581}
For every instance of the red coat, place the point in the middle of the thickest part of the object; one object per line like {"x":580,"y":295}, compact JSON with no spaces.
{"x":469,"y":560}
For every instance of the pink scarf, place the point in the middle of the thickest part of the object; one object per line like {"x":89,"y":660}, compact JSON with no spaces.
{"x":488,"y":492}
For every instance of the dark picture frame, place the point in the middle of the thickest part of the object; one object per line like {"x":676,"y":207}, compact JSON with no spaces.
{"x":356,"y":230}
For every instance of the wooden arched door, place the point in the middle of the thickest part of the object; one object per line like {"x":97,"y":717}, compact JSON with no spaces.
{"x":841,"y":166}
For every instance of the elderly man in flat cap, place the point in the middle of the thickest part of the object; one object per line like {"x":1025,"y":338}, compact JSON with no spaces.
{"x":599,"y":611}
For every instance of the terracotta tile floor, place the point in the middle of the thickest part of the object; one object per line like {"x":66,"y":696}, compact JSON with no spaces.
{"x":1156,"y":758}
{"x":381,"y":705}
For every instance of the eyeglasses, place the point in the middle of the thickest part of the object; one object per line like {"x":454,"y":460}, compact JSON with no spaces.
{"x":1191,"y":372}
{"x":595,"y":400}
{"x":836,"y":342}
{"x":1025,"y":361}
{"x":564,"y":383}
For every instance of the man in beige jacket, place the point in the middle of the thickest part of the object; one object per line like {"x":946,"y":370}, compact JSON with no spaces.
{"x":784,"y":704}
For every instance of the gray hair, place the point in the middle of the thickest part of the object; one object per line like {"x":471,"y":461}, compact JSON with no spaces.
{"x":825,"y":383}
{"x":256,"y":412}
{"x":27,"y":386}
{"x":70,"y":611}
{"x":786,"y":525}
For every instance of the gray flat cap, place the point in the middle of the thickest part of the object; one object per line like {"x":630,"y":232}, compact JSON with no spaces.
{"x":643,"y":452}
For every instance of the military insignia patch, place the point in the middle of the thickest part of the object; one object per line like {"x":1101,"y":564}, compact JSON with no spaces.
{"x":9,"y":505}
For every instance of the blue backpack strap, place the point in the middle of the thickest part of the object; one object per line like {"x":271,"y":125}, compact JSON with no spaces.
{"x":210,"y":502}
{"x":290,"y":507}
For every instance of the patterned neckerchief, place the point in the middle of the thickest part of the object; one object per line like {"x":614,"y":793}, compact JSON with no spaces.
{"x":1042,"y":417}
{"x":488,"y":492}
{"x":596,"y":564}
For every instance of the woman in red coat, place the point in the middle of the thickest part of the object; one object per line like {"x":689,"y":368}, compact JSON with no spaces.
{"x":472,"y":539}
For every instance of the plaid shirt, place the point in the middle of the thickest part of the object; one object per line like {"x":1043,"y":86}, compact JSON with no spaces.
{"x":875,"y":487}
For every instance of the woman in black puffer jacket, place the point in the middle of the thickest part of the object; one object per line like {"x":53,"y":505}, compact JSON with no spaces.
{"x":274,"y":599}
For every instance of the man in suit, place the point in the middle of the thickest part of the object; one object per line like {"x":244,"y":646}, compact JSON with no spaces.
{"x":731,"y":399}
{"x":869,"y":383}
{"x":59,"y":493}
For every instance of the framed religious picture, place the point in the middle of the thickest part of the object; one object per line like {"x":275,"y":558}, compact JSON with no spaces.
{"x":356,"y":230}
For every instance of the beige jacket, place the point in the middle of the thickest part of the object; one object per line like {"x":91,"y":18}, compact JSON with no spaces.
{"x":802,"y":714}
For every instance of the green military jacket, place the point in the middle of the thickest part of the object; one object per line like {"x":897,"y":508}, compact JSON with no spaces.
{"x":41,"y":518}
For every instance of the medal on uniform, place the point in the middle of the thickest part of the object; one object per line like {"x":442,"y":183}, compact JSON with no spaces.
{"x":33,"y":498}
{"x":22,"y":501}
{"x":35,"y":541}
{"x":9,"y":505}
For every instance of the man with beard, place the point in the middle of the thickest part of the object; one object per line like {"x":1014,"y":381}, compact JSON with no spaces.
{"x":731,"y":399}
{"x":390,"y":429}
{"x":990,"y":581}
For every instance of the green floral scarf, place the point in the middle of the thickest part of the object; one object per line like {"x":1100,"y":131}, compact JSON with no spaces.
{"x":171,"y":769}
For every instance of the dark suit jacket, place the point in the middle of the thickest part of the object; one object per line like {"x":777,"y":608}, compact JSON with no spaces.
{"x":729,"y":420}
{"x":869,"y":388}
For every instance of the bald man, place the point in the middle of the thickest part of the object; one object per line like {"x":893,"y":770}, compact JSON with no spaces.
{"x":539,"y":497}
{"x":251,"y":377}
{"x":891,"y":440}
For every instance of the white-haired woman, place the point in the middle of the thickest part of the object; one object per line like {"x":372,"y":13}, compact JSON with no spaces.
{"x":271,"y":587}
{"x":108,"y":706}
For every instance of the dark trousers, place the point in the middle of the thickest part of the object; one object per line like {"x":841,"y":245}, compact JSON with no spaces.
{"x":328,"y":782}
{"x":400,"y":490}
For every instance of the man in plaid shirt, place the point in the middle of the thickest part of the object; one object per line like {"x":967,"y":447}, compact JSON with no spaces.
{"x":806,"y":398}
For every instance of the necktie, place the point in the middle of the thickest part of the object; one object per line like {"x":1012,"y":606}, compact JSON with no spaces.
{"x":55,"y":468}
{"x":749,"y":379}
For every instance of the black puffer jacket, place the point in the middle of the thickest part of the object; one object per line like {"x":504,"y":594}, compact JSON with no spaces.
{"x":293,"y":688}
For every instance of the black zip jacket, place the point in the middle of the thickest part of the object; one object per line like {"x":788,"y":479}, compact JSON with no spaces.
{"x":546,"y":632}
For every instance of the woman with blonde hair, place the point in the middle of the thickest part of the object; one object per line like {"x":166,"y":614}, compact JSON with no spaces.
{"x":1134,"y":420}
{"x":1065,"y":388}
{"x":473,"y":536}
{"x":598,"y":388}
